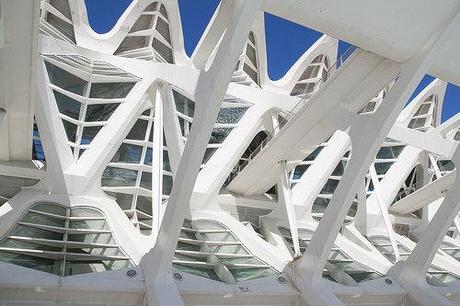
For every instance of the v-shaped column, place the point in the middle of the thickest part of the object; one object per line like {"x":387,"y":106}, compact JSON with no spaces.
{"x":210,"y":90}
{"x":367,"y":134}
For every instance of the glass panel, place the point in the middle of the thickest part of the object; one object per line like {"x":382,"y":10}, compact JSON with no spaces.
{"x":62,"y":26}
{"x":146,"y":180}
{"x":163,"y":11}
{"x":183,"y":104}
{"x":251,"y":53}
{"x":67,"y":106}
{"x":128,"y":153}
{"x":138,"y":131}
{"x":167,"y":184}
{"x":144,"y":22}
{"x":163,"y":50}
{"x":113,"y":177}
{"x":89,"y":133}
{"x":36,"y":218}
{"x":163,"y":28}
{"x":144,"y":204}
{"x":218,"y":135}
{"x":100,"y":112}
{"x":70,"y":130}
{"x":123,"y":200}
{"x":50,"y":208}
{"x":65,"y":80}
{"x":132,"y":43}
{"x":62,"y":6}
{"x":110,"y":90}
{"x":208,"y":154}
{"x":166,"y":164}
{"x":231,"y":115}
{"x":148,"y":157}
{"x":252,"y":74}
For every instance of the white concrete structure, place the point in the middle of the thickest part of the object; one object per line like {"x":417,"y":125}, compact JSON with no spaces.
{"x":133,"y":174}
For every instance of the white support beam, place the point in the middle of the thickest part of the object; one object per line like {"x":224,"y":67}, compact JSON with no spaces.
{"x":384,"y":211}
{"x":412,"y":273}
{"x":431,"y":141}
{"x":285,"y":199}
{"x":367,"y":136}
{"x":209,"y":93}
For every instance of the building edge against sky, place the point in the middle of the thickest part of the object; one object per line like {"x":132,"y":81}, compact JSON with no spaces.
{"x":133,"y":174}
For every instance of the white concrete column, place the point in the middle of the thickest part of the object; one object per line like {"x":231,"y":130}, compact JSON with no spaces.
{"x":384,"y":211}
{"x":285,"y":200}
{"x":157,"y":162}
{"x":367,"y":134}
{"x":210,"y":91}
{"x":412,"y":273}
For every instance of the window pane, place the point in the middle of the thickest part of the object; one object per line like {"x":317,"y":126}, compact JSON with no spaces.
{"x":231,"y":115}
{"x":163,"y":28}
{"x":100,"y":112}
{"x":62,"y":26}
{"x":89,"y":133}
{"x":128,"y":153}
{"x":70,"y":130}
{"x":113,"y":177}
{"x":67,"y":106}
{"x":110,"y":90}
{"x":163,"y":50}
{"x":65,"y":80}
{"x":146,"y":180}
{"x":138,"y":131}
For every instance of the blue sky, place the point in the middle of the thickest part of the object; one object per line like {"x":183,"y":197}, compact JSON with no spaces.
{"x":286,"y":41}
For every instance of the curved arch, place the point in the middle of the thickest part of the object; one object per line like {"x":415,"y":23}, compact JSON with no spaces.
{"x":150,"y":36}
{"x":63,"y":241}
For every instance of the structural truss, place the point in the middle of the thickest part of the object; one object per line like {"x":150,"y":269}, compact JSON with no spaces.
{"x":132,"y":174}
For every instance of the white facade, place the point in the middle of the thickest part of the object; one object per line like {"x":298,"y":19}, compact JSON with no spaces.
{"x":132,"y":174}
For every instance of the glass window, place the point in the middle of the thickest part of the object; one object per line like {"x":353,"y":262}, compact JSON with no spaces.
{"x":65,"y":80}
{"x":163,"y":50}
{"x":144,"y":22}
{"x":218,"y":135}
{"x":67,"y":106}
{"x":113,"y":177}
{"x":167,"y":184}
{"x":138,"y":131}
{"x":163,"y":28}
{"x":70,"y":130}
{"x":132,"y":43}
{"x":100,"y":112}
{"x":62,"y":26}
{"x":231,"y":115}
{"x":89,"y":133}
{"x":34,"y":228}
{"x":146,"y":180}
{"x":62,"y":6}
{"x":128,"y":153}
{"x":110,"y":90}
{"x":183,"y":104}
{"x":252,"y":74}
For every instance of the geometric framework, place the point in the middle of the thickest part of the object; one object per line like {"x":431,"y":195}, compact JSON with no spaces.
{"x":236,"y":233}
{"x":87,"y":93}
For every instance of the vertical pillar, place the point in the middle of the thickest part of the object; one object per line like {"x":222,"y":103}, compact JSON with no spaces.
{"x":285,"y":199}
{"x":384,"y":211}
{"x":210,"y":90}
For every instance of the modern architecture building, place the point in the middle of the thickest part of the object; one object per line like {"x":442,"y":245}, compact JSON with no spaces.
{"x":132,"y":174}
